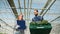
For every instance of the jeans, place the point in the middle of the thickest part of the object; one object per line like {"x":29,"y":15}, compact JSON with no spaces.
{"x":20,"y":32}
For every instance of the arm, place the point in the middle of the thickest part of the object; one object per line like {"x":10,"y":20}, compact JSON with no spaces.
{"x":17,"y":22}
{"x":42,"y":18}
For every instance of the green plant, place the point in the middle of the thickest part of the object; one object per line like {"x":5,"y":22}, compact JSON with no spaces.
{"x":1,"y":33}
{"x":44,"y":22}
{"x":39,"y":22}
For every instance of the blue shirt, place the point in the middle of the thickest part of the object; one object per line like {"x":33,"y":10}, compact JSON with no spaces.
{"x":37,"y":18}
{"x":21,"y":23}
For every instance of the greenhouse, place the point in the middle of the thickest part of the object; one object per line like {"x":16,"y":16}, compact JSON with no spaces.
{"x":48,"y":9}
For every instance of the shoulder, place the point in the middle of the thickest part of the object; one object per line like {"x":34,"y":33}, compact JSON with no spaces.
{"x":23,"y":20}
{"x":39,"y":16}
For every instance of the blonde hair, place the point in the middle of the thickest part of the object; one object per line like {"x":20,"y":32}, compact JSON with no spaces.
{"x":19,"y":16}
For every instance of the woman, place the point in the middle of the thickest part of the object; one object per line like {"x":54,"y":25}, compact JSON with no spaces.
{"x":21,"y":24}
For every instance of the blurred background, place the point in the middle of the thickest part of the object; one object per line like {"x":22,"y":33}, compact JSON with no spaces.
{"x":10,"y":9}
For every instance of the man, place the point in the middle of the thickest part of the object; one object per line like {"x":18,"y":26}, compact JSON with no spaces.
{"x":37,"y":18}
{"x":21,"y":24}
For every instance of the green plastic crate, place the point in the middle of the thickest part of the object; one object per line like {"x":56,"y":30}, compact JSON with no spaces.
{"x":40,"y":28}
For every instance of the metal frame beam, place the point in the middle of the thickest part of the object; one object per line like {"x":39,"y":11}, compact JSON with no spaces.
{"x":19,"y":5}
{"x":24,"y":9}
{"x":46,"y":5}
{"x":13,"y":5}
{"x":30,"y":7}
{"x":53,"y":13}
{"x":27,"y":9}
{"x":52,"y":2}
{"x":55,"y":19}
{"x":6,"y":23}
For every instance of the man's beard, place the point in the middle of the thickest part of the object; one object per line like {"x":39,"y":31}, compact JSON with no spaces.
{"x":36,"y":14}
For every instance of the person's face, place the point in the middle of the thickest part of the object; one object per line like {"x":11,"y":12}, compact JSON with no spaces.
{"x":20,"y":17}
{"x":35,"y":13}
